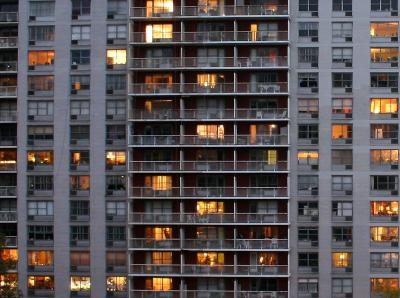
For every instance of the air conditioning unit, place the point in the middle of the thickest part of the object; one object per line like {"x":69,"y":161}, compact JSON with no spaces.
{"x":110,"y":41}
{"x":109,"y":91}
{"x":73,"y":167}
{"x":394,"y":90}
{"x":348,"y":167}
{"x":314,"y":243}
{"x":31,"y":117}
{"x":348,"y":90}
{"x":110,"y":268}
{"x":395,"y":116}
{"x":314,"y":141}
{"x":394,"y":167}
{"x":314,"y":192}
{"x":73,"y":142}
{"x":74,"y":42}
{"x":348,"y":192}
{"x":74,"y":117}
{"x":109,"y":142}
{"x":31,"y":242}
{"x":314,"y":90}
{"x":31,"y":268}
{"x":74,"y":17}
{"x":395,"y":244}
{"x":110,"y":66}
{"x":314,"y":39}
{"x":110,"y":16}
{"x":394,"y":141}
{"x":314,"y":218}
{"x":394,"y":270}
{"x":74,"y":293}
{"x":394,"y":64}
{"x":32,"y":18}
{"x":348,"y":39}
{"x":109,"y":192}
{"x":349,"y":244}
{"x":394,"y":13}
{"x":394,"y":218}
{"x":348,"y":64}
{"x":348,"y":13}
{"x":348,"y":218}
{"x":394,"y":39}
{"x":395,"y":193}
{"x":349,"y":141}
{"x":109,"y":117}
{"x":31,"y":92}
{"x":31,"y":217}
{"x":31,"y":142}
{"x":74,"y":66}
{"x":314,"y":115}
{"x":73,"y":192}
{"x":74,"y":268}
{"x":314,"y":13}
{"x":73,"y":217}
{"x":74,"y":91}
{"x":31,"y":67}
{"x":314,"y":167}
{"x":314,"y":64}
{"x":110,"y":243}
{"x":73,"y":242}
{"x":348,"y":115}
{"x":314,"y":270}
{"x":32,"y":42}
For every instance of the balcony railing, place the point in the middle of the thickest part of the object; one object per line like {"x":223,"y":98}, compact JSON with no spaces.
{"x":207,"y":294}
{"x":8,"y":191}
{"x":214,"y":218}
{"x":210,"y":192}
{"x":8,"y":141}
{"x":8,"y":116}
{"x":8,"y":216}
{"x":8,"y":42}
{"x":196,"y":269}
{"x":8,"y":17}
{"x":209,"y":166}
{"x":7,"y":91}
{"x":219,"y":88}
{"x":6,"y":66}
{"x":194,"y":140}
{"x":210,"y":11}
{"x":209,"y":244}
{"x":211,"y":36}
{"x":207,"y":114}
{"x":208,"y":62}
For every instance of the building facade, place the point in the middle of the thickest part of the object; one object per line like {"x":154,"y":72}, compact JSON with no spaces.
{"x":200,"y":148}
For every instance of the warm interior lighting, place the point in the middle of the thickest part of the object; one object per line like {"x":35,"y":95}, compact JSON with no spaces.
{"x":341,"y":259}
{"x":41,"y":282}
{"x":384,"y":233}
{"x":115,"y":57}
{"x":9,"y":255}
{"x":210,"y":131}
{"x":253,"y":30}
{"x":158,"y":32}
{"x":209,"y":80}
{"x":159,"y":284}
{"x":161,"y":257}
{"x":383,"y":105}
{"x":159,"y":233}
{"x":116,"y":284}
{"x":210,"y":258}
{"x":156,"y":7}
{"x":41,"y":57}
{"x":80,"y":283}
{"x":116,"y":158}
{"x":207,"y":207}
{"x":340,"y":131}
{"x":40,"y":258}
{"x":384,"y":29}
{"x":158,"y":182}
{"x":40,"y":157}
{"x":384,"y":208}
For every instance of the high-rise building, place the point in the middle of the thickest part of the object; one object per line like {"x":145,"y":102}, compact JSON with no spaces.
{"x":200,"y":148}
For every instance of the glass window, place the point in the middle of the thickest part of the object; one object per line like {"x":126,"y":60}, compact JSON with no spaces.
{"x":342,"y":105}
{"x":342,"y":131}
{"x":80,"y":182}
{"x":342,"y":208}
{"x":158,"y":182}
{"x":307,"y":286}
{"x":383,"y":105}
{"x":79,"y":208}
{"x":39,"y":282}
{"x":308,"y":106}
{"x":41,"y":8}
{"x":40,"y":183}
{"x":80,"y":82}
{"x":384,"y":208}
{"x":41,"y":33}
{"x":115,"y":233}
{"x":115,"y":57}
{"x":40,"y":83}
{"x":384,"y":284}
{"x":40,"y":108}
{"x":116,"y":32}
{"x":308,"y":29}
{"x":384,"y":55}
{"x":342,"y":80}
{"x":80,"y":233}
{"x":308,"y":131}
{"x":119,"y":7}
{"x":342,"y":55}
{"x":342,"y":29}
{"x":308,"y":157}
{"x":116,"y":82}
{"x":342,"y":286}
{"x":40,"y":57}
{"x":116,"y":284}
{"x":40,"y":208}
{"x":308,"y":5}
{"x":79,"y":132}
{"x":159,"y":284}
{"x":80,"y":283}
{"x":383,"y":5}
{"x":80,"y":107}
{"x":40,"y":233}
{"x":158,"y":32}
{"x":117,"y":208}
{"x":116,"y":107}
{"x":382,"y":157}
{"x":80,"y":258}
{"x":80,"y":7}
{"x":384,"y":29}
{"x":79,"y":158}
{"x":115,"y":158}
{"x":40,"y":258}
{"x":308,"y":55}
{"x":342,"y":5}
{"x":380,"y":234}
{"x":308,"y":80}
{"x":81,"y":32}
{"x":342,"y":259}
{"x":342,"y":183}
{"x":80,"y":57}
{"x":384,"y":80}
{"x":384,"y":183}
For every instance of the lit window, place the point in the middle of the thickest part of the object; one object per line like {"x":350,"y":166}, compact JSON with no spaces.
{"x":156,"y":7}
{"x":205,"y":207}
{"x":115,"y":158}
{"x":80,"y":283}
{"x":158,"y":32}
{"x":384,"y":234}
{"x":267,"y":259}
{"x":308,"y":157}
{"x":115,"y":57}
{"x":341,"y":259}
{"x":341,"y":131}
{"x":159,"y":284}
{"x":9,"y":281}
{"x":159,"y":233}
{"x":384,"y":208}
{"x":40,"y":258}
{"x":384,"y":29}
{"x":9,"y":255}
{"x":210,"y":131}
{"x":209,"y":80}
{"x":116,"y":284}
{"x":384,"y":284}
{"x":41,"y":57}
{"x":80,"y":182}
{"x":342,"y":106}
{"x":384,"y":55}
{"x":158,"y":182}
{"x":158,"y":79}
{"x":41,"y":282}
{"x":40,"y":158}
{"x":383,"y":105}
{"x":382,"y":157}
{"x":210,"y":258}
{"x":161,"y":257}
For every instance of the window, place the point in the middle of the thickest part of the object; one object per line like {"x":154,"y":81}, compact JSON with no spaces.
{"x":210,"y":258}
{"x":116,"y":284}
{"x":307,"y":208}
{"x":79,"y":208}
{"x":342,"y":131}
{"x":79,"y":183}
{"x":308,"y":80}
{"x":80,"y":57}
{"x":80,"y":82}
{"x":209,"y":80}
{"x":384,"y":29}
{"x":342,"y":208}
{"x":381,"y":234}
{"x":40,"y":258}
{"x":384,"y":208}
{"x":158,"y":182}
{"x":115,"y":158}
{"x":79,"y":233}
{"x":211,"y":131}
{"x":383,"y":105}
{"x":116,"y":107}
{"x":307,"y":183}
{"x":116,"y":32}
{"x":384,"y":131}
{"x":79,"y":132}
{"x":308,"y":5}
{"x":342,"y":259}
{"x":342,"y":234}
{"x":116,"y":208}
{"x":119,"y":7}
{"x":384,"y":55}
{"x":209,"y":207}
{"x":342,"y":286}
{"x":383,"y":5}
{"x":159,"y":233}
{"x":40,"y":208}
{"x":308,"y":259}
{"x":40,"y":233}
{"x":157,"y":7}
{"x":80,"y":7}
{"x":80,"y":107}
{"x":308,"y":157}
{"x":308,"y":55}
{"x":115,"y":132}
{"x":40,"y":83}
{"x":80,"y":32}
{"x":115,"y":57}
{"x":80,"y":283}
{"x":115,"y":183}
{"x":116,"y":258}
{"x":383,"y":157}
{"x":342,"y":5}
{"x":384,"y":80}
{"x":40,"y":183}
{"x":384,"y":284}
{"x":159,"y":284}
{"x":39,"y":282}
{"x":342,"y":80}
{"x":342,"y":55}
{"x":342,"y":30}
{"x":40,"y":57}
{"x":115,"y":234}
{"x":307,"y":286}
{"x":342,"y":158}
{"x":115,"y":82}
{"x":308,"y":106}
{"x":308,"y":29}
{"x":382,"y":260}
{"x":40,"y":108}
{"x":308,"y":131}
{"x":80,"y":258}
{"x":158,"y":32}
{"x":41,"y":33}
{"x":342,"y":105}
{"x":342,"y":184}
{"x":41,"y":8}
{"x":79,"y":158}
{"x":382,"y":183}
{"x":161,"y":257}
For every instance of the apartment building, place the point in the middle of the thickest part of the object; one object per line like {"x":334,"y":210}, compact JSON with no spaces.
{"x":200,"y":148}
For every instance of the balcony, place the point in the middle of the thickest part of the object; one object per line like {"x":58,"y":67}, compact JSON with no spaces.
{"x":8,"y":17}
{"x":194,"y":140}
{"x":208,"y":62}
{"x":216,"y":270}
{"x":212,"y":11}
{"x":8,"y":191}
{"x":207,"y":114}
{"x":207,"y":294}
{"x":8,"y":42}
{"x":207,"y":244}
{"x":208,"y":166}
{"x":213,"y":37}
{"x":8,"y":216}
{"x":8,"y":91}
{"x":8,"y":66}
{"x":138,"y":89}
{"x":210,"y":192}
{"x":8,"y":115}
{"x":212,"y":218}
{"x":10,"y":241}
